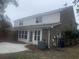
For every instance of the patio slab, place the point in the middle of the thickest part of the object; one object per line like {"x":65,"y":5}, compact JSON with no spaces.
{"x":6,"y":47}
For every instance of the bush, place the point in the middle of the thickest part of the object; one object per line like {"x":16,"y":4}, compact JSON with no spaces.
{"x":71,"y":34}
{"x":70,"y":37}
{"x":42,"y":45}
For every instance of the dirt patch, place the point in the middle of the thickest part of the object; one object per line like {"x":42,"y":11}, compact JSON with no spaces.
{"x":17,"y":42}
{"x":33,"y":47}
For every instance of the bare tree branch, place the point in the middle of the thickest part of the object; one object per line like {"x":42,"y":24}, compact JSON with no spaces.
{"x":75,"y":1}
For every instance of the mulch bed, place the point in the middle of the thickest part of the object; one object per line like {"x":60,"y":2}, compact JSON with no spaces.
{"x":33,"y":47}
{"x":18,"y":42}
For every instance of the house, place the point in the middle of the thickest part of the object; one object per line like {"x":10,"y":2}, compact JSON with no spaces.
{"x":45,"y":26}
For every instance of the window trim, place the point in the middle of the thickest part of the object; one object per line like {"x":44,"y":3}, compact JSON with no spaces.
{"x":21,"y":23}
{"x":38,"y":19}
{"x":37,"y":35}
{"x":22,"y":34}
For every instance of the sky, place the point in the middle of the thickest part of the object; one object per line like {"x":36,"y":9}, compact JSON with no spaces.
{"x":31,"y":7}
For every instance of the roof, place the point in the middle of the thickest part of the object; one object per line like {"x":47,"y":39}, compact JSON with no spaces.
{"x":45,"y":13}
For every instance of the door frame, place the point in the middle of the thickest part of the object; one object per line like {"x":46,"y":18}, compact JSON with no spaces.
{"x":36,"y":41}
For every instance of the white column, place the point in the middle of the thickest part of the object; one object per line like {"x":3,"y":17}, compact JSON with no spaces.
{"x":41,"y":35}
{"x":33,"y":37}
{"x":18,"y":35}
{"x":28,"y":35}
{"x":48,"y":38}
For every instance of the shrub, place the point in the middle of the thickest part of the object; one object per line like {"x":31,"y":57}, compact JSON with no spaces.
{"x":70,"y":37}
{"x":42,"y":45}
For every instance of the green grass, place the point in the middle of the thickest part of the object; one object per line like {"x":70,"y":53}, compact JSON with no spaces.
{"x":66,"y":53}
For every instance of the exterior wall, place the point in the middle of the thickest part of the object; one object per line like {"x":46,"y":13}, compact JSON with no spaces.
{"x":46,"y":19}
{"x":68,"y":19}
{"x":45,"y":34}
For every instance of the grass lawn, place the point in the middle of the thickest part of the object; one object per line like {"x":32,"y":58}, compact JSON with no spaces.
{"x":65,"y":53}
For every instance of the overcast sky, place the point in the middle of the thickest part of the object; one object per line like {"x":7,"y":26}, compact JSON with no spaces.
{"x":31,"y":7}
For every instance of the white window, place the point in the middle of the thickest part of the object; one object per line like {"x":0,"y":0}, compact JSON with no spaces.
{"x":38,"y":19}
{"x":22,"y":34}
{"x":25,"y":35}
{"x":20,"y":23}
{"x":31,"y":36}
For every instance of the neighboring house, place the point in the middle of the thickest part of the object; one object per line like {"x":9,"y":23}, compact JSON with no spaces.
{"x":45,"y":26}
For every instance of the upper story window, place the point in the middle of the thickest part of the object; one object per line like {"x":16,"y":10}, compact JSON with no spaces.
{"x":38,"y":19}
{"x":20,"y":23}
{"x":77,"y":10}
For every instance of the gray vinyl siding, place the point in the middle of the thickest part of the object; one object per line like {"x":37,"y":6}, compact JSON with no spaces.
{"x":67,"y":19}
{"x":45,"y":34}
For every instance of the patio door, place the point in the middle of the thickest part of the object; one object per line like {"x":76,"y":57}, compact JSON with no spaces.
{"x":36,"y":36}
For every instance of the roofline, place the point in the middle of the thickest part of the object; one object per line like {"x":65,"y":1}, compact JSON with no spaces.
{"x":44,"y":13}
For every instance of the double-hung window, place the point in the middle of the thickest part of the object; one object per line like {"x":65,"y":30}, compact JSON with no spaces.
{"x":21,"y":23}
{"x":25,"y":35}
{"x":38,"y":19}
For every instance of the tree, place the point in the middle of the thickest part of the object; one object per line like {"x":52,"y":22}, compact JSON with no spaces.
{"x":3,"y":5}
{"x":4,"y":24}
{"x":6,"y":2}
{"x":76,"y":1}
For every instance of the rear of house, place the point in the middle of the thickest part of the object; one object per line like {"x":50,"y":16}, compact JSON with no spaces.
{"x":45,"y":26}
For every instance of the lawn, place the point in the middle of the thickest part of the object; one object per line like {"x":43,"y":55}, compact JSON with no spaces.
{"x":65,"y":53}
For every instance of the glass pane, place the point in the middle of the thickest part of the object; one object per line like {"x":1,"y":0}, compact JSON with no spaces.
{"x":22,"y":36}
{"x":38,"y":19}
{"x":38,"y":32}
{"x":35,"y":34}
{"x":31,"y":36}
{"x":26,"y":32}
{"x":35,"y":37}
{"x":22,"y":32}
{"x":25,"y":37}
{"x":39,"y":38}
{"x":19,"y":32}
{"x":20,"y":22}
{"x":19,"y":36}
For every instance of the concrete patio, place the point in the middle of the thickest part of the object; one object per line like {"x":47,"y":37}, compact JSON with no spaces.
{"x":6,"y":47}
